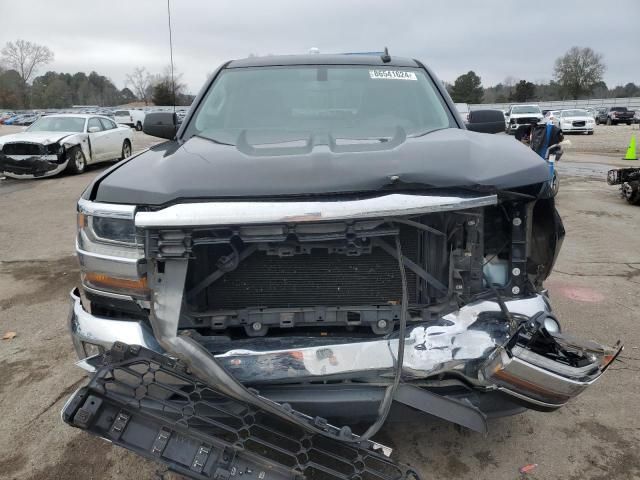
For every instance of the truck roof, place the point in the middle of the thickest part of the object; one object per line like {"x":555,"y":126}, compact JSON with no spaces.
{"x":322,"y":59}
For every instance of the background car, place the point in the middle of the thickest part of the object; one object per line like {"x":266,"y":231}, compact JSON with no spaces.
{"x":56,"y":143}
{"x":576,"y":120}
{"x":614,"y":115}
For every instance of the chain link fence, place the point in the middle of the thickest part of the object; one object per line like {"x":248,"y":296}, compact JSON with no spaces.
{"x":632,"y":103}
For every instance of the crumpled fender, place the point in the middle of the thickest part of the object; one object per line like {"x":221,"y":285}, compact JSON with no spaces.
{"x":81,"y":140}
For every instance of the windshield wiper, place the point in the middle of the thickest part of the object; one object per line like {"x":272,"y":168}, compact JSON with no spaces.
{"x":214,"y":140}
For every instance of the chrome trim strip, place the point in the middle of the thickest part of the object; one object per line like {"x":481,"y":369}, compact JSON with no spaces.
{"x":110,"y":258}
{"x":118,"y":266}
{"x":231,"y":213}
{"x":533,"y":401}
{"x":115,"y":296}
{"x":110,"y":210}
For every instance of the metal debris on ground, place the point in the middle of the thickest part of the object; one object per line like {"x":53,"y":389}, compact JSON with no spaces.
{"x":530,"y":467}
{"x":9,"y":336}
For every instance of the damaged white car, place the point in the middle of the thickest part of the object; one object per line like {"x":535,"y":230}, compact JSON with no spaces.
{"x":57,"y":143}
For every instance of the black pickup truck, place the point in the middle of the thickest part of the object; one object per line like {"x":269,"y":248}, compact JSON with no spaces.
{"x":614,"y":115}
{"x":321,"y":237}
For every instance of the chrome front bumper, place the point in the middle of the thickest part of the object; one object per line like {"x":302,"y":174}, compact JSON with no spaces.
{"x":462,"y":344}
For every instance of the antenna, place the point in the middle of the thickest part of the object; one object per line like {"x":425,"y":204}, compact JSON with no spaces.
{"x":173,"y":82}
{"x":386,"y":58}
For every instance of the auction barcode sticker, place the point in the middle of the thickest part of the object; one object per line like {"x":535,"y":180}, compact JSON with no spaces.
{"x":393,"y":74}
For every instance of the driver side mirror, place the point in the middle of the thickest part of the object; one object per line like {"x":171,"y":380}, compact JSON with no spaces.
{"x":486,"y":121}
{"x":93,"y":129}
{"x":161,"y":125}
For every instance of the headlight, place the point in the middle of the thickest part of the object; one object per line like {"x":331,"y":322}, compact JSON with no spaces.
{"x":113,"y":229}
{"x":110,"y":252}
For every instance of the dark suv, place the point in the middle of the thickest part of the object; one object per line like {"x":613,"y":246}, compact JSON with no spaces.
{"x":317,"y":229}
{"x":614,"y":115}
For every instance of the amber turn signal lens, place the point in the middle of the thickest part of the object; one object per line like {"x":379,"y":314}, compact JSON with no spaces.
{"x":120,"y":285}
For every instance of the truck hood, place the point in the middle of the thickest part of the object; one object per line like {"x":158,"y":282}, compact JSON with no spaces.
{"x":202,"y":169}
{"x":44,"y":138}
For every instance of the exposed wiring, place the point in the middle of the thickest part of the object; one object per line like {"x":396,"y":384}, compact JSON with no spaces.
{"x":385,"y":404}
{"x":501,"y":303}
{"x":498,"y":252}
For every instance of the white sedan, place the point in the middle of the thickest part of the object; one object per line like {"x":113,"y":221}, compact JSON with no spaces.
{"x":68,"y":142}
{"x":575,"y":120}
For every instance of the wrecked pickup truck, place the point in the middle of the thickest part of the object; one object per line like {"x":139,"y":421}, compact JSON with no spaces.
{"x":64,"y":142}
{"x":322,"y":237}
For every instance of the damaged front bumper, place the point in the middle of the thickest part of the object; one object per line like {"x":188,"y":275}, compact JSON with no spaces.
{"x":470,"y":346}
{"x":31,"y":166}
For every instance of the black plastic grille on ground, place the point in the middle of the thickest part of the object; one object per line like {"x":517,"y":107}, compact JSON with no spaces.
{"x":149,"y":404}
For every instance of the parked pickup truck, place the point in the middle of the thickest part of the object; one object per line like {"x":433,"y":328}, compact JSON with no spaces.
{"x":522,"y":115}
{"x":615,"y":115}
{"x":131,"y":118}
{"x":317,"y":229}
{"x":64,"y":142}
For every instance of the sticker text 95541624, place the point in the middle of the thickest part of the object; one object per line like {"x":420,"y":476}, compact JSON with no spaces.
{"x":392,"y":75}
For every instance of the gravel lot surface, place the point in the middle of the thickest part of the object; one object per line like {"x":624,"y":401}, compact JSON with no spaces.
{"x":608,"y":140}
{"x":595,"y":290}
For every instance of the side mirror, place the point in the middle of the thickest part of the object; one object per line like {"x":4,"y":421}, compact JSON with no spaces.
{"x":94,"y":129}
{"x":161,"y":125}
{"x":486,"y":121}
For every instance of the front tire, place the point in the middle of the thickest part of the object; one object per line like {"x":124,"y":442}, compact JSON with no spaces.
{"x":76,"y":163}
{"x":126,"y":149}
{"x":590,"y":132}
{"x":631,"y":192}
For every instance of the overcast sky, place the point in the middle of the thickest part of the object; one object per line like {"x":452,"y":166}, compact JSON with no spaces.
{"x":496,"y":39}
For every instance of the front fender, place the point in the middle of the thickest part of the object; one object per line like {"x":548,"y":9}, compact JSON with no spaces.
{"x":79,"y":140}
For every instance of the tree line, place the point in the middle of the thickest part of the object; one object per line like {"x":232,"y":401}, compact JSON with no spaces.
{"x":578,"y":74}
{"x":20,"y":88}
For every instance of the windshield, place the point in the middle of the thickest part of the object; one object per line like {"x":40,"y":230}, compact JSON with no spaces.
{"x":575,"y":113}
{"x":316,"y":104}
{"x":619,"y":109}
{"x":58,"y":124}
{"x":526,"y":109}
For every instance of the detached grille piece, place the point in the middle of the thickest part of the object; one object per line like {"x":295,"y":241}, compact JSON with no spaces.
{"x":23,"y":149}
{"x":147,"y":403}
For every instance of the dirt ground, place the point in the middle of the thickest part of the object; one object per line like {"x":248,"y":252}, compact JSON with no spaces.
{"x":595,"y":290}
